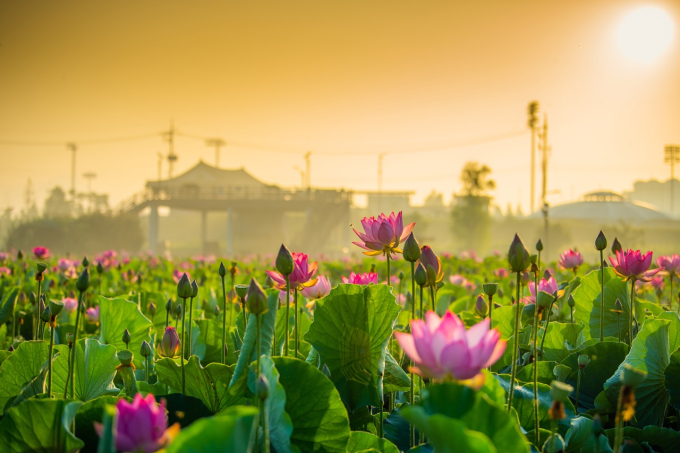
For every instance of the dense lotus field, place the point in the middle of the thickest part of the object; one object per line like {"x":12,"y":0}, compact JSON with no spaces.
{"x":403,"y":350}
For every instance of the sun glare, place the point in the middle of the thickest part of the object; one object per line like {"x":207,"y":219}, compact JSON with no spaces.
{"x":645,"y":34}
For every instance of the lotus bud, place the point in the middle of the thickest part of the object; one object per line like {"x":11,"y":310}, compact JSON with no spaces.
{"x":526,"y":358}
{"x":83,"y":281}
{"x":126,"y":338}
{"x":69,"y":339}
{"x":284,"y":261}
{"x":439,"y":285}
{"x":490,"y":288}
{"x":618,"y":308}
{"x":184,"y":289}
{"x":168,"y":305}
{"x":481,"y":307}
{"x":600,"y":241}
{"x":32,"y":298}
{"x":571,"y":302}
{"x":431,"y":273}
{"x":216,"y":311}
{"x":518,"y":256}
{"x":41,"y":306}
{"x":421,"y":275}
{"x":194,"y":288}
{"x":145,"y":350}
{"x":241,"y":291}
{"x":616,"y":246}
{"x":20,"y":255}
{"x":11,"y":348}
{"x":268,"y":282}
{"x":554,"y":443}
{"x":85,"y":262}
{"x":533,"y":258}
{"x":100,"y":268}
{"x":411,"y":249}
{"x":326,"y":371}
{"x":233,"y":269}
{"x":539,"y":246}
{"x":500,"y":292}
{"x":125,"y":356}
{"x":262,"y":387}
{"x":561,"y":372}
{"x":560,"y":391}
{"x":151,"y":308}
{"x":632,"y":377}
{"x":401,"y":275}
{"x":257,"y":299}
{"x":583,"y":361}
{"x":178,"y":310}
{"x":222,"y":270}
{"x":170,"y":343}
{"x":544,"y":300}
{"x":46,"y":314}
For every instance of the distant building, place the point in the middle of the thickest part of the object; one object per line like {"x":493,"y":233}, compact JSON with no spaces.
{"x":658,"y":195}
{"x":605,"y":208}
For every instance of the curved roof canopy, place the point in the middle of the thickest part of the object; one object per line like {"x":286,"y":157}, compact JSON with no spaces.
{"x":603,"y":207}
{"x":203,"y":175}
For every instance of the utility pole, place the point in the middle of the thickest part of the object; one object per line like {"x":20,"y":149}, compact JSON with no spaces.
{"x":380,"y":179}
{"x":217,"y":143}
{"x":532,"y":122}
{"x":169,"y":137}
{"x":89,"y":176}
{"x":671,"y":156}
{"x":73,"y":147}
{"x":308,"y":169}
{"x":544,"y":192}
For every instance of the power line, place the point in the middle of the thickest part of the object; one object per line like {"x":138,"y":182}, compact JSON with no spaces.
{"x":79,"y":142}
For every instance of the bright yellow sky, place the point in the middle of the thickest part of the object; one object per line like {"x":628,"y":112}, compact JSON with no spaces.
{"x":344,"y":77}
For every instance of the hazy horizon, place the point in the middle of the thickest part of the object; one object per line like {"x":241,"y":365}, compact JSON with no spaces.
{"x":345,"y":82}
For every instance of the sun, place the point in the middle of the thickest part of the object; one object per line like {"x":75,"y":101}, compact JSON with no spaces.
{"x":645,"y":34}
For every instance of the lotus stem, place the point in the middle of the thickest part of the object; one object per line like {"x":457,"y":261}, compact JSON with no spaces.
{"x":265,"y":423}
{"x":191,"y":309}
{"x":147,"y":370}
{"x":72,"y":370}
{"x":515,"y":347}
{"x":224,"y":321}
{"x":184,"y":314}
{"x":535,"y":352}
{"x":285,"y":340}
{"x":413,"y":316}
{"x":387,"y":255}
{"x":68,"y":376}
{"x":297,"y":346}
{"x":578,"y":387}
{"x":602,"y":298}
{"x":49,"y":361}
{"x":618,"y":324}
{"x":630,"y":313}
{"x":547,"y":324}
{"x":670,"y":284}
{"x":618,"y":437}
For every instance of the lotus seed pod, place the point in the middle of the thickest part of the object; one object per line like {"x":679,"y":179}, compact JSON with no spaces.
{"x":560,"y":391}
{"x":241,"y":291}
{"x":583,"y":361}
{"x":490,"y":288}
{"x":561,"y":372}
{"x":125,"y":356}
{"x":632,"y":377}
{"x":41,"y":267}
{"x":56,"y":307}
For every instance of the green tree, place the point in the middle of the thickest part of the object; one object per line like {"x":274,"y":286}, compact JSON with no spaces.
{"x":470,"y":211}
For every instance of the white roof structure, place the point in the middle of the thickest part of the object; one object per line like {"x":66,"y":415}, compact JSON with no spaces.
{"x":608,"y":207}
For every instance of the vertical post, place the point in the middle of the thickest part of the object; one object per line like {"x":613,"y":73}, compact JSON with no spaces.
{"x":672,"y":155}
{"x":153,"y":229}
{"x":73,"y":147}
{"x":532,"y":111}
{"x":308,"y":170}
{"x":204,"y":231}
{"x":230,"y":232}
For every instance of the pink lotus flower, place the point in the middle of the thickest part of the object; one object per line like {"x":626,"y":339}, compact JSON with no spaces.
{"x":383,"y":235}
{"x":458,"y":280}
{"x":633,"y":265}
{"x":282,"y":297}
{"x":571,"y":259}
{"x":501,"y":273}
{"x":41,"y":252}
{"x":361,"y":279}
{"x":177,"y":275}
{"x":3,"y":256}
{"x":657,"y":283}
{"x":64,"y":264}
{"x":170,"y":343}
{"x":549,"y":286}
{"x":4,"y":270}
{"x":442,"y":348}
{"x":92,"y":314}
{"x":141,"y":426}
{"x":669,"y":263}
{"x":429,"y":258}
{"x":320,"y":289}
{"x":70,"y":304}
{"x":301,"y":276}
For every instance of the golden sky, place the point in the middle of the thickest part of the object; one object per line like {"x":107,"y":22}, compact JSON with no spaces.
{"x":349,"y":79}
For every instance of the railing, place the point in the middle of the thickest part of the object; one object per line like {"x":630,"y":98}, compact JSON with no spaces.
{"x":191,"y":192}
